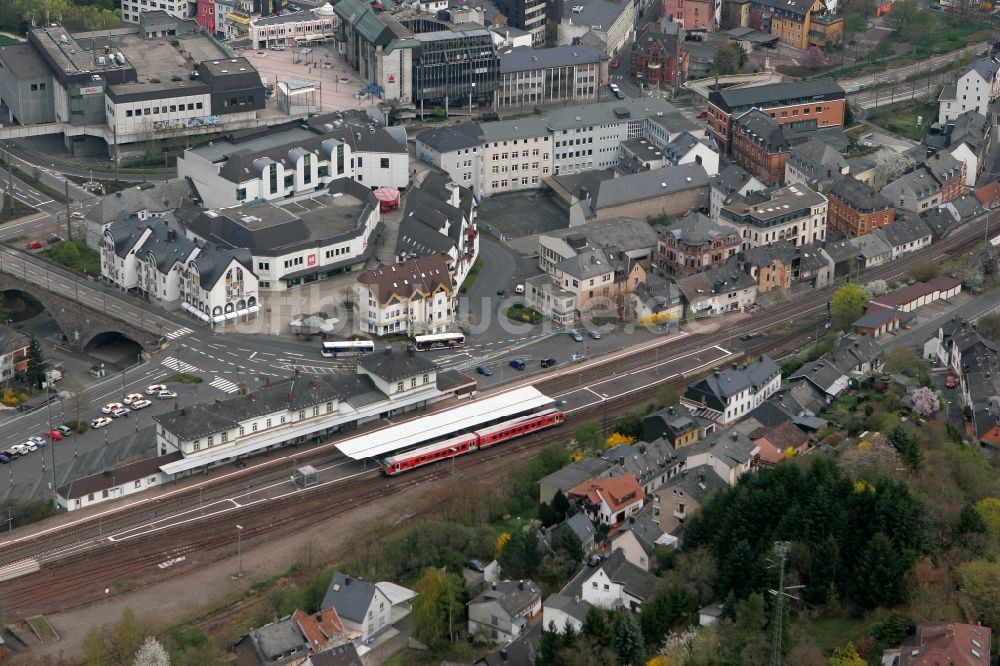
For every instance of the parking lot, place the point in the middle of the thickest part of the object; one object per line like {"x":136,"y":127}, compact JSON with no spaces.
{"x":338,"y":83}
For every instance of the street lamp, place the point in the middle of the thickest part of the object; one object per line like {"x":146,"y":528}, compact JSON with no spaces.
{"x":239,"y":550}
{"x":471,"y":90}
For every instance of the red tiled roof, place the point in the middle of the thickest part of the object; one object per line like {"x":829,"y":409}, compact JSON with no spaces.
{"x":989,"y":195}
{"x":774,"y":441}
{"x":320,"y":627}
{"x":992,"y":436}
{"x":955,"y":644}
{"x":618,"y":492}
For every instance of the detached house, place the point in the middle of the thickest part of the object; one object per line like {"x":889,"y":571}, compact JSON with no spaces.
{"x":501,"y":613}
{"x":683,"y":495}
{"x":639,"y":537}
{"x":609,"y":501}
{"x":728,"y":395}
{"x":415,"y":296}
{"x":617,"y":583}
{"x":365,"y":608}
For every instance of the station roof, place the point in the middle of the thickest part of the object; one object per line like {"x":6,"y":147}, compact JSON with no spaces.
{"x":467,"y":417}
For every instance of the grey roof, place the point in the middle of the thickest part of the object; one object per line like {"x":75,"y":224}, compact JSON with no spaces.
{"x":213,"y":262}
{"x":504,"y":130}
{"x":971,"y":128}
{"x":278,"y":19}
{"x":394,"y":364}
{"x":806,"y":258}
{"x":139,"y":92}
{"x":668,"y":41}
{"x":822,"y":373}
{"x":649,"y":184}
{"x":904,"y":231}
{"x":732,"y":179}
{"x":339,"y":655}
{"x":587,"y":264}
{"x":763,"y":130}
{"x":576,"y":473}
{"x":515,"y":597}
{"x":731,"y":447}
{"x":681,"y":145}
{"x":608,"y":113}
{"x":581,"y":526}
{"x":870,"y":246}
{"x":645,"y":529}
{"x":430,"y":224}
{"x":294,"y":393}
{"x":854,"y":350}
{"x":857,"y":195}
{"x":349,"y":596}
{"x":719,"y":280}
{"x":11,"y":340}
{"x":451,"y":137}
{"x":966,"y":206}
{"x":876,"y":318}
{"x":598,"y":14}
{"x":23,"y":60}
{"x":668,"y":422}
{"x":817,"y":159}
{"x":696,"y":230}
{"x":943,"y":166}
{"x":154,"y":198}
{"x":569,"y":605}
{"x":796,"y":7}
{"x":698,"y":482}
{"x":623,"y":233}
{"x":949,"y":92}
{"x":637,"y":582}
{"x":526,"y":58}
{"x":762,"y":96}
{"x":986,"y":67}
{"x":645,"y":460}
{"x":277,"y":639}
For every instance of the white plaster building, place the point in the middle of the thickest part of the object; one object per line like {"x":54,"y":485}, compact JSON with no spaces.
{"x":794,"y":213}
{"x":617,"y":583}
{"x":414,"y":297}
{"x":296,"y":160}
{"x":978,"y":84}
{"x":294,"y":30}
{"x":734,"y":392}
{"x":517,"y":155}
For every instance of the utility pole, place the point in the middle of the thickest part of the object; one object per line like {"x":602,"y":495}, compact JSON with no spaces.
{"x":10,"y":181}
{"x":780,"y":550}
{"x":114,"y":137}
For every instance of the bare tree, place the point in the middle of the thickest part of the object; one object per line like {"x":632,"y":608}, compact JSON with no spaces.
{"x":79,"y":402}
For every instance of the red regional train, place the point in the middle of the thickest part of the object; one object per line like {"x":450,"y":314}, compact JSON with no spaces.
{"x":471,"y":441}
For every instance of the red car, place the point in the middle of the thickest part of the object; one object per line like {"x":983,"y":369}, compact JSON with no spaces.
{"x":615,"y":63}
{"x":950,"y":382}
{"x":702,"y":114}
{"x":35,"y":245}
{"x":55,"y":435}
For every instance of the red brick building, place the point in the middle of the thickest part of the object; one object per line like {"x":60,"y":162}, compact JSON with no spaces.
{"x":659,"y":58}
{"x":694,"y":244}
{"x":206,"y":15}
{"x":690,"y":14}
{"x":856,"y":208}
{"x":760,"y":146}
{"x":803,"y":105}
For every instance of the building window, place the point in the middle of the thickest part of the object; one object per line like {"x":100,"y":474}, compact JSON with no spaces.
{"x":399,"y":386}
{"x":384,"y":163}
{"x":211,"y":440}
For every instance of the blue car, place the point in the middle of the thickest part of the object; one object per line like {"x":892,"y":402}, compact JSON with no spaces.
{"x":4,"y":459}
{"x":484,"y":371}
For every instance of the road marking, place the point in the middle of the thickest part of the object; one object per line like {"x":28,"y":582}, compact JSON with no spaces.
{"x":178,"y":365}
{"x":253,"y":354}
{"x":173,"y":335}
{"x":224,"y":385}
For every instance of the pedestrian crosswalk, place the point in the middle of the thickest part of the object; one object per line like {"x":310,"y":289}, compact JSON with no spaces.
{"x":178,"y":365}
{"x":224,"y":385}
{"x":173,"y":335}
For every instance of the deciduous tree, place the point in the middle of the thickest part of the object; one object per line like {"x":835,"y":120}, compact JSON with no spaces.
{"x":846,"y":656}
{"x":925,"y":401}
{"x":847,"y":306}
{"x":813,"y":58}
{"x":438,"y":607}
{"x":979,"y":581}
{"x":151,"y":654}
{"x":729,"y":59}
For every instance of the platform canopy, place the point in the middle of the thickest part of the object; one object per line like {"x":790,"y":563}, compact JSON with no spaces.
{"x":441,"y":424}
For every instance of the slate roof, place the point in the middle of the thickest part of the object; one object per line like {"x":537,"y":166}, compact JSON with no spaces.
{"x":155,"y":198}
{"x":340,"y":655}
{"x":761,"y":96}
{"x":513,"y":596}
{"x":658,"y":294}
{"x":430,"y":224}
{"x":986,"y":67}
{"x":526,"y":58}
{"x":795,"y":7}
{"x":858,"y":196}
{"x":966,"y":206}
{"x":637,"y":582}
{"x":667,"y":41}
{"x":124,"y":473}
{"x":623,"y":233}
{"x":648,"y":184}
{"x":697,"y":230}
{"x":870,"y":246}
{"x":904,"y":231}
{"x":720,"y":280}
{"x":403,"y":280}
{"x":451,"y":137}
{"x":668,"y":422}
{"x":818,"y":160}
{"x":971,"y":128}
{"x":397,"y":364}
{"x":807,"y":258}
{"x":11,"y":340}
{"x":575,"y":473}
{"x":732,"y":179}
{"x":568,"y":605}
{"x":644,"y":528}
{"x":731,"y":447}
{"x":213,"y":262}
{"x":763,"y":130}
{"x":349,"y":596}
{"x":613,"y":112}
{"x":277,"y":639}
{"x":294,"y":393}
{"x":698,"y":483}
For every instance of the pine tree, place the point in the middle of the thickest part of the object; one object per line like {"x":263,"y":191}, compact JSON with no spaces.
{"x":879,"y":575}
{"x":560,"y":504}
{"x":597,"y":628}
{"x":628,"y":642}
{"x":35,"y":374}
{"x":570,"y":544}
{"x":548,"y":646}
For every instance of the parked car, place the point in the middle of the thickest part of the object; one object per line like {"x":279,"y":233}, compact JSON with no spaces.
{"x":35,"y":245}
{"x":484,"y":371}
{"x":132,"y":397}
{"x":501,"y":292}
{"x":153,"y":389}
{"x":618,"y":93}
{"x":119,"y":413}
{"x":519,"y":289}
{"x":53,"y":239}
{"x":40,"y":441}
{"x":594,"y":335}
{"x":950,"y":382}
{"x":100,"y":422}
{"x":278,"y":47}
{"x":702,"y":114}
{"x":11,"y":453}
{"x":575,"y":334}
{"x":4,"y":458}
{"x":29,"y":446}
{"x":54,"y":435}
{"x":475,"y":565}
{"x":517,"y":363}
{"x":166,"y":395}
{"x":141,"y":404}
{"x":576,"y":358}
{"x":110,"y":407}
{"x":77,"y":215}
{"x":548,"y":362}
{"x":615,"y":63}
{"x":65,"y":430}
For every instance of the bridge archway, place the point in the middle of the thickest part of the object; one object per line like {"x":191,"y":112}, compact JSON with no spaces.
{"x":113,"y":346}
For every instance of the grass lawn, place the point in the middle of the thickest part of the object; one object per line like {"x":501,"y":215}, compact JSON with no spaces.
{"x":19,"y":210}
{"x":76,"y":256}
{"x":183,"y":378}
{"x":6,"y":41}
{"x":828,"y":633}
{"x":901,"y":118}
{"x":524,"y":314}
{"x":473,"y":273}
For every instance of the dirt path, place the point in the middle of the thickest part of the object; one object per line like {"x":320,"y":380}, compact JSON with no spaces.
{"x":185,"y":595}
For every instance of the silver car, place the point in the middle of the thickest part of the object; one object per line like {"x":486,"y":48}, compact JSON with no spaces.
{"x":575,"y":334}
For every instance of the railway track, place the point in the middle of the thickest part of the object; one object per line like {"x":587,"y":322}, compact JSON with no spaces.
{"x":80,"y":563}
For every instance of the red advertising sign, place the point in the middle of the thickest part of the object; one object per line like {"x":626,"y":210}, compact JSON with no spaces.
{"x":311,"y":260}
